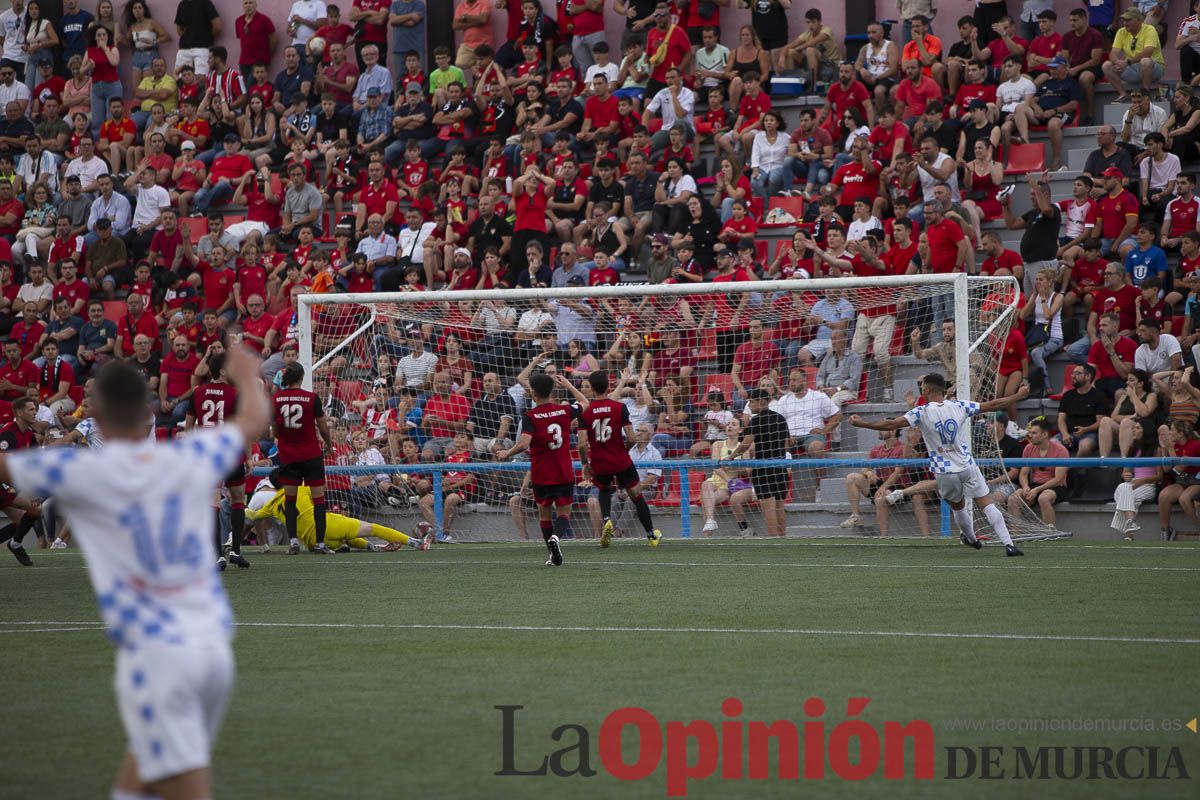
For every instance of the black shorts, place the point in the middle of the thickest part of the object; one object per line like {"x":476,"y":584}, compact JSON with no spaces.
{"x":769,"y":483}
{"x":625,"y":479}
{"x":236,"y":476}
{"x":311,"y":473}
{"x":556,"y":494}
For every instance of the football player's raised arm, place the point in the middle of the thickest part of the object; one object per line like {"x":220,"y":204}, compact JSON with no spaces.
{"x":254,"y":411}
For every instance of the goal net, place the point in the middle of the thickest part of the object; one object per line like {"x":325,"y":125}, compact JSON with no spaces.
{"x":424,"y":388}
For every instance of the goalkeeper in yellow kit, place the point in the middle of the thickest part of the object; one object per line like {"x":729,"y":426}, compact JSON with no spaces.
{"x":340,"y":531}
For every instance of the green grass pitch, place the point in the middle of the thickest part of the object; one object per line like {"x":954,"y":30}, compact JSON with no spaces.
{"x":377,"y":675}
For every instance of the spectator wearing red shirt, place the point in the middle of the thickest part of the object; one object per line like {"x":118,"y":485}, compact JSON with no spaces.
{"x":219,"y":186}
{"x":1181,"y":213}
{"x":258,"y":327}
{"x":137,"y":321}
{"x":602,"y":273}
{"x":72,"y":288}
{"x":858,"y":179}
{"x":1044,"y":47}
{"x":754,"y":103}
{"x":380,"y":196}
{"x":16,"y":374}
{"x":1117,"y":214}
{"x":370,"y":20}
{"x":1006,"y":44}
{"x":175,"y":382}
{"x":948,"y":245}
{"x":890,"y":137}
{"x":600,"y":113}
{"x":914,"y":92}
{"x":116,"y":135}
{"x":1000,"y":260}
{"x":217,"y":281}
{"x":445,"y":415}
{"x":1116,"y":298}
{"x":28,"y":331}
{"x":1014,"y":367}
{"x":667,"y":47}
{"x":753,"y":359}
{"x":843,"y":94}
{"x":255,"y":33}
{"x":1111,"y":353}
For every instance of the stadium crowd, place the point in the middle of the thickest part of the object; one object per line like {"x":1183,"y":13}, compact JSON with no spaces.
{"x":164,"y":220}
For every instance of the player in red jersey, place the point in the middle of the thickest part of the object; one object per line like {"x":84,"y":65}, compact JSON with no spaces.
{"x":300,"y":428}
{"x":212,"y":402}
{"x":21,"y":512}
{"x":546,"y":434}
{"x":604,"y":451}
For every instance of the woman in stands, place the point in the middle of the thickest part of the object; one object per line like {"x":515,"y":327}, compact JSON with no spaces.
{"x":1181,"y":127}
{"x":1138,"y":402}
{"x":77,"y":91}
{"x":1180,"y":389}
{"x":673,"y":435}
{"x":1043,"y":316}
{"x":729,"y":184}
{"x":1140,"y":483}
{"x":143,"y":34}
{"x":767,"y":156}
{"x":257,"y":128}
{"x":982,"y":179}
{"x":726,"y":483}
{"x":702,"y":231}
{"x":675,"y":187}
{"x":852,"y":127}
{"x":749,"y":56}
{"x":1182,"y":483}
{"x":453,"y":361}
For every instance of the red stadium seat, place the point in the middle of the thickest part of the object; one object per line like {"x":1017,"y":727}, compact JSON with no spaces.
{"x":720,"y":381}
{"x":195,"y":227}
{"x":670,"y":496}
{"x":760,"y":251}
{"x":1066,"y":383}
{"x":349,"y":391}
{"x":792,"y":205}
{"x":708,"y":344}
{"x":1026,"y":158}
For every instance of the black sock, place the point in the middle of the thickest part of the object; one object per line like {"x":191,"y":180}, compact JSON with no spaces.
{"x":26,"y":525}
{"x":239,"y":525}
{"x":643,"y":513}
{"x":561,"y":524}
{"x":547,"y":529}
{"x":319,"y":518}
{"x":290,"y":516}
{"x":606,"y":503}
{"x":218,"y":534}
{"x":742,"y":524}
{"x":7,"y":533}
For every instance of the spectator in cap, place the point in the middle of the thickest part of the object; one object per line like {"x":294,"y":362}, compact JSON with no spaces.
{"x":413,"y":120}
{"x":1055,"y":105}
{"x":374,"y":122}
{"x":662,"y":261}
{"x":1136,"y":57}
{"x":218,"y":186}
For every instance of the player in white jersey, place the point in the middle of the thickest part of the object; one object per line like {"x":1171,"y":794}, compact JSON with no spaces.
{"x":946,"y":428}
{"x":140,"y":512}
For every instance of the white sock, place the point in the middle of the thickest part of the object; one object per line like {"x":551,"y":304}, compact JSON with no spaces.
{"x":966,"y":522}
{"x":997,"y":521}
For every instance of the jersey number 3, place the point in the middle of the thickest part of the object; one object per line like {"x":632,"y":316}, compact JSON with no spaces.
{"x":293,"y":414}
{"x":556,"y":436}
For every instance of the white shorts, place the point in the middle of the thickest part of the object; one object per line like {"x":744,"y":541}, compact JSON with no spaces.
{"x":194,"y":57}
{"x":954,"y":487}
{"x":172,"y":700}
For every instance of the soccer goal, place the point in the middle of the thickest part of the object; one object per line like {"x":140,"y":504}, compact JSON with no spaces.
{"x":423,"y":388}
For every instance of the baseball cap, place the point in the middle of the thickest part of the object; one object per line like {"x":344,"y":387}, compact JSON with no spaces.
{"x":232,"y":137}
{"x":462,"y":251}
{"x":758,"y":394}
{"x":1113,"y":172}
{"x":1057,"y":61}
{"x":660,"y":238}
{"x":414,"y":87}
{"x":374,"y":91}
{"x":574,"y":280}
{"x":1132,"y":13}
{"x":977,"y":103}
{"x":1000,"y":417}
{"x":714,"y":392}
{"x":188,"y":145}
{"x":414,"y":331}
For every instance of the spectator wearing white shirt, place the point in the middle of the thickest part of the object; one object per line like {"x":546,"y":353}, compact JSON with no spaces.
{"x":1014,"y":90}
{"x":840,"y":373}
{"x":1158,"y":168}
{"x":1158,"y":351}
{"x":111,"y":206}
{"x":862,"y":221}
{"x":152,"y":199}
{"x":88,"y":167}
{"x":675,"y":103}
{"x":767,"y":156}
{"x":1143,"y":117}
{"x":380,"y":248}
{"x":711,"y":60}
{"x":811,"y":416}
{"x":410,"y":242}
{"x":417,"y":367}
